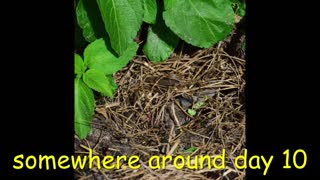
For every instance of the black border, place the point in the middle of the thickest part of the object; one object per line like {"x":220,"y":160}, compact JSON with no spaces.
{"x":280,"y":86}
{"x":37,"y":84}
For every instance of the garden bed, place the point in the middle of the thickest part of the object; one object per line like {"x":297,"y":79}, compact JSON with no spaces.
{"x":152,"y":114}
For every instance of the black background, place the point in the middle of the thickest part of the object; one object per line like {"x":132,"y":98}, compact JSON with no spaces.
{"x":282,"y":75}
{"x":37,"y":84}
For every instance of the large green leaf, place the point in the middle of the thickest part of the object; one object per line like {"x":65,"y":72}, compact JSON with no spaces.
{"x":83,"y":107}
{"x":137,"y":6}
{"x":161,"y":41}
{"x":201,"y":23}
{"x":98,"y":81}
{"x":98,"y":55}
{"x":150,"y":11}
{"x":89,"y":19}
{"x":112,"y":83}
{"x":122,"y":19}
{"x":79,"y":67}
{"x":169,"y":3}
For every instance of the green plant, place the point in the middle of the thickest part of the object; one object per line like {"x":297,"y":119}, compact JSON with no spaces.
{"x":191,"y":150}
{"x":94,"y":72}
{"x":192,"y":111}
{"x":201,"y":23}
{"x":110,"y":26}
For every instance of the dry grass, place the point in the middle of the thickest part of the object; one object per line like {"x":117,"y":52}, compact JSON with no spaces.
{"x":148,"y":116}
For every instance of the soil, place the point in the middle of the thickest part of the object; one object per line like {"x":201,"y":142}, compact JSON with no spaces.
{"x":149,"y":113}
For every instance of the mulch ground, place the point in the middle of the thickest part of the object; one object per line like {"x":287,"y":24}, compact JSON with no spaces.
{"x":149,"y":116}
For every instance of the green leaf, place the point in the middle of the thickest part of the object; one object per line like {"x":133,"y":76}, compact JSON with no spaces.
{"x":201,"y":23}
{"x":122,"y":19}
{"x":89,"y":19}
{"x":125,"y":58}
{"x":113,"y":84}
{"x":98,"y":81}
{"x":100,"y":56}
{"x":161,"y":41}
{"x":191,"y":112}
{"x":137,"y":6}
{"x":168,"y":4}
{"x":150,"y":11}
{"x":191,"y":150}
{"x":79,"y":67}
{"x":84,"y":108}
{"x":198,"y":105}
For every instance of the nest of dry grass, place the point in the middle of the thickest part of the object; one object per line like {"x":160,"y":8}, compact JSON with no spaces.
{"x":149,"y":116}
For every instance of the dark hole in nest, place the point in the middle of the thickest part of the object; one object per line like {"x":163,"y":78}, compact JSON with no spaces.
{"x":206,"y":111}
{"x":227,"y":92}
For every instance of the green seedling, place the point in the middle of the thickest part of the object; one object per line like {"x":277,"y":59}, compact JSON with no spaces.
{"x":198,"y":105}
{"x":191,"y":150}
